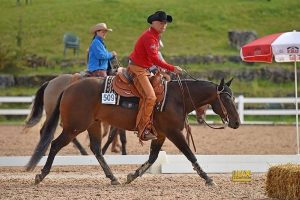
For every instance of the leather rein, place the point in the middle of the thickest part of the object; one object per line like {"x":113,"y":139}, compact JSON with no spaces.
{"x":225,"y":120}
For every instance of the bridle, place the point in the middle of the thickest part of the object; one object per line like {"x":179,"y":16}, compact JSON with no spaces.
{"x":225,"y":120}
{"x":224,"y":110}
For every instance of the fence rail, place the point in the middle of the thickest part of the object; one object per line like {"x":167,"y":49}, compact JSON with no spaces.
{"x":169,"y":164}
{"x":240,"y":101}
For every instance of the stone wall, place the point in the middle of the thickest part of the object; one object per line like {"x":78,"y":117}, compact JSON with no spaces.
{"x":275,"y":74}
{"x":24,"y":80}
{"x":197,"y":59}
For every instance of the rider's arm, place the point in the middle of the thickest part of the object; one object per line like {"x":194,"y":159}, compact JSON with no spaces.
{"x":100,"y":51}
{"x":151,"y":47}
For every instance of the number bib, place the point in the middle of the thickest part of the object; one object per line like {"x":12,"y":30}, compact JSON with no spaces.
{"x":108,"y":98}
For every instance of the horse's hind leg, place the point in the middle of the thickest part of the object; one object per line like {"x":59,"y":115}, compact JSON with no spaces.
{"x":95,"y":141}
{"x":41,"y":130}
{"x":122,"y":134}
{"x":154,"y":151}
{"x":115,"y":145}
{"x":57,"y":144}
{"x":179,"y":141}
{"x":79,"y":146}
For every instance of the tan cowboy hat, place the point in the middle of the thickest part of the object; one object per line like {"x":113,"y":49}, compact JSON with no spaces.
{"x":98,"y":27}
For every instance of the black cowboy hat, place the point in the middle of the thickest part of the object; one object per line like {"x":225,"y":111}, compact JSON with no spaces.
{"x":159,"y":16}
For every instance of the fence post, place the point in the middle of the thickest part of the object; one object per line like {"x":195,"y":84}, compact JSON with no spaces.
{"x":241,"y":108}
{"x":156,"y":167}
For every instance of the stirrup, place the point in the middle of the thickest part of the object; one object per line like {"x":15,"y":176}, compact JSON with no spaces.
{"x":148,"y":135}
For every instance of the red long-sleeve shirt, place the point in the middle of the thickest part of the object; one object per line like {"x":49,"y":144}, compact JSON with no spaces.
{"x":145,"y":53}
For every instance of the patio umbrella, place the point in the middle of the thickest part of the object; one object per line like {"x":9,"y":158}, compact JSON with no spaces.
{"x":284,"y":47}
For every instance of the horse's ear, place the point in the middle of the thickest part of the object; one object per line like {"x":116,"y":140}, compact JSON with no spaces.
{"x":229,"y":82}
{"x":222,"y":83}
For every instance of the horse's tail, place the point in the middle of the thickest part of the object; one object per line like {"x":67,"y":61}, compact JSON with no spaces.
{"x":47,"y":135}
{"x":37,"y":107}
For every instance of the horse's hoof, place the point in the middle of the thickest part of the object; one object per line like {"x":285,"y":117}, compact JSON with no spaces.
{"x":210,"y":183}
{"x":115,"y":182}
{"x":130,"y":178}
{"x":38,"y":179}
{"x":115,"y":150}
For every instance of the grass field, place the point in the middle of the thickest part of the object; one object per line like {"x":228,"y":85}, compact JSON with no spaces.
{"x":200,"y":26}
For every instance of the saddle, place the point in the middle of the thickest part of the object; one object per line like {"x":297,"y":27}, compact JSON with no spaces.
{"x":123,"y":85}
{"x":127,"y":94}
{"x":81,"y":75}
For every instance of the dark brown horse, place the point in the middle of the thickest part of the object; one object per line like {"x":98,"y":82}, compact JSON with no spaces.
{"x":81,"y":109}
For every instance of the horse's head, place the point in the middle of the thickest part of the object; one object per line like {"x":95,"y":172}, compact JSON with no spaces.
{"x":224,"y":105}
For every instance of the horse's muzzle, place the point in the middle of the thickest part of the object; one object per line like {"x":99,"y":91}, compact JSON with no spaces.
{"x":234,"y":125}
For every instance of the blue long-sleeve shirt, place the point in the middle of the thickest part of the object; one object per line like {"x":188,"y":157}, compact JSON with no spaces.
{"x":98,"y":55}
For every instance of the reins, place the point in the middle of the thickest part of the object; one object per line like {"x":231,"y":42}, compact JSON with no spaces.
{"x":186,"y":122}
{"x":225,"y":123}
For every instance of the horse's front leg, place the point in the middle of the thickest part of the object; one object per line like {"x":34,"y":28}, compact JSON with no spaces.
{"x":95,"y":141}
{"x":178,"y":139}
{"x":154,"y":151}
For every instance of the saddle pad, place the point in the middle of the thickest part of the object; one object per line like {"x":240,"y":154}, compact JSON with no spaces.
{"x":108,"y":88}
{"x":130,"y":102}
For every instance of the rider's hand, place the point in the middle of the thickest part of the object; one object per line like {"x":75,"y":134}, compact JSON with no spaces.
{"x":114,"y":53}
{"x":177,"y":70}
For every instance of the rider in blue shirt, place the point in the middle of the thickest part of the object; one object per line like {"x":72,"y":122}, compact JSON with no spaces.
{"x":99,"y":56}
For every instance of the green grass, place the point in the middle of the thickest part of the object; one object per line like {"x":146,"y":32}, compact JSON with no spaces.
{"x":199,"y":26}
{"x":18,"y":91}
{"x":16,"y":120}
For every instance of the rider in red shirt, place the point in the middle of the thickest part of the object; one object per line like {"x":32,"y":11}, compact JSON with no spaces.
{"x":145,"y":55}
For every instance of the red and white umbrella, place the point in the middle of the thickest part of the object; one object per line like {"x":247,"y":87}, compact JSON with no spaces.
{"x":284,"y":47}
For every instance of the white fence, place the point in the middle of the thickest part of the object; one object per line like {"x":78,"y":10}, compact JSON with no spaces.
{"x":241,"y":101}
{"x":15,"y":100}
{"x":176,"y":163}
{"x":169,"y":164}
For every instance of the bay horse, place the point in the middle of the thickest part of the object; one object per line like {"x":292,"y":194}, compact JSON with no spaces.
{"x":80,"y":109}
{"x":46,"y":98}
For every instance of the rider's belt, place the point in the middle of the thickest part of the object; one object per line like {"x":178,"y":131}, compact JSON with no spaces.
{"x":132,"y":63}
